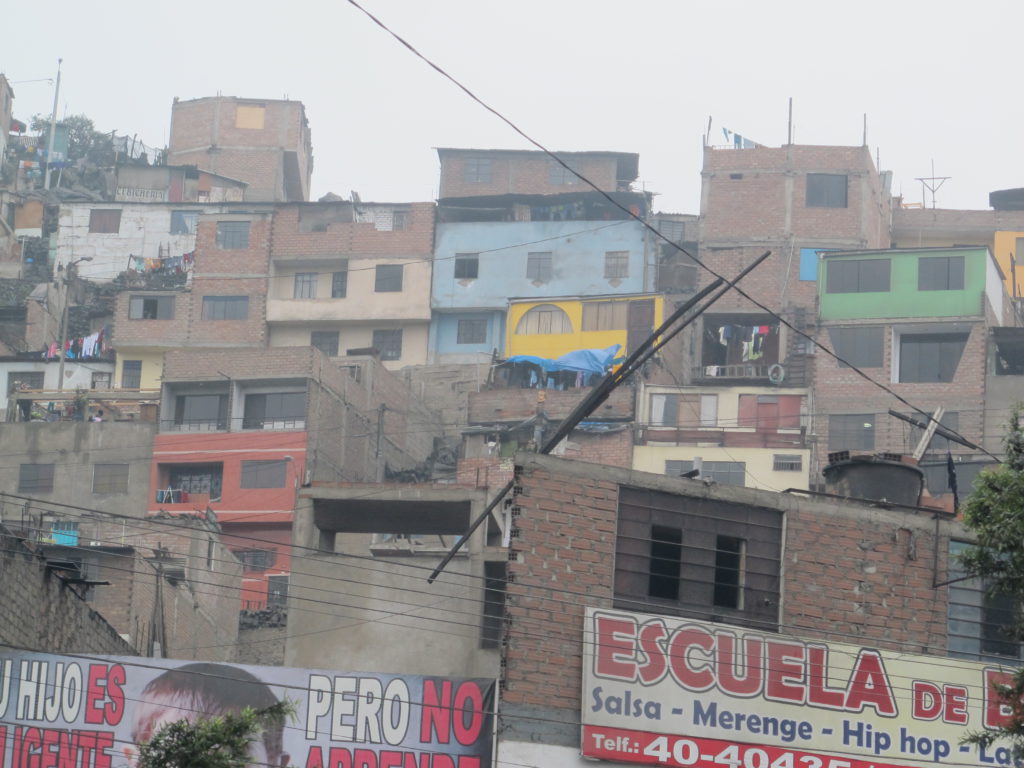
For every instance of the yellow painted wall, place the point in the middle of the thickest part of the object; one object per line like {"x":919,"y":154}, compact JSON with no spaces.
{"x":759,"y":461}
{"x":552,"y":345}
{"x":1005,"y":249}
{"x":152,"y":365}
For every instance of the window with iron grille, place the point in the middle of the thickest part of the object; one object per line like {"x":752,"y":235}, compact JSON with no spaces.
{"x":472,"y":331}
{"x":339,"y":282}
{"x":305,"y":285}
{"x":24,"y":380}
{"x":232,"y":235}
{"x":539,"y":266}
{"x":388,"y":278}
{"x":560,"y":175}
{"x":701,"y":558}
{"x":131,"y":374}
{"x":35,"y":478}
{"x":196,"y":478}
{"x":256,"y":559}
{"x":326,"y":341}
{"x":787,"y":462}
{"x":826,"y":190}
{"x":101,"y":380}
{"x":110,"y":478}
{"x":399,"y":220}
{"x":477,"y":170}
{"x":467,"y":266}
{"x":388,"y":343}
{"x":277,"y":591}
{"x":225,"y":307}
{"x":105,"y":221}
{"x":980,"y":623}
{"x":274,"y":410}
{"x":616,"y":264}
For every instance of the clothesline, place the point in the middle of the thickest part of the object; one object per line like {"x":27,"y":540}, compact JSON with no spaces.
{"x":92,"y":346}
{"x":175,"y":264}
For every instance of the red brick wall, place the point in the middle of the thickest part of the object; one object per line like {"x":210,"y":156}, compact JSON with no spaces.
{"x":344,"y":238}
{"x":522,"y":173}
{"x":849,"y":573}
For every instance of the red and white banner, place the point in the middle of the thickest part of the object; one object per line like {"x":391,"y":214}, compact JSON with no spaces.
{"x":79,"y":711}
{"x":678,"y":692}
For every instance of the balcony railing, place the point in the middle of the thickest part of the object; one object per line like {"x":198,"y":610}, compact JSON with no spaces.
{"x":737,"y":371}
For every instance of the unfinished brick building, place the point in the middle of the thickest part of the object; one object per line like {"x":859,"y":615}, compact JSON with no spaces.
{"x":265,"y":143}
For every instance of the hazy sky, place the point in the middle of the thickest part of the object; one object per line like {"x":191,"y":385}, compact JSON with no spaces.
{"x":938,"y":80}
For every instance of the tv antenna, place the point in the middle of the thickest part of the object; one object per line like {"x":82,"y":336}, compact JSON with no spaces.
{"x":931,"y":184}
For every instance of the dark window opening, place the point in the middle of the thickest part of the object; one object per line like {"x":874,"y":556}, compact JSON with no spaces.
{"x":477,"y":170}
{"x":232,"y":235}
{"x":539,"y":266}
{"x":851,"y":432}
{"x":467,"y":266}
{"x":857,"y":275}
{"x":24,"y":380}
{"x":930,"y":357}
{"x":277,"y":591}
{"x":339,"y":282}
{"x":275,"y":410}
{"x":264,"y":474}
{"x":225,"y":307}
{"x":201,"y":412}
{"x":184,"y":222}
{"x":729,"y":566}
{"x":399,"y":220}
{"x":787,"y":462}
{"x":940,"y":273}
{"x":666,"y":562}
{"x":256,"y":559}
{"x":131,"y":374}
{"x":826,"y":190}
{"x":388,"y":278}
{"x":858,"y":346}
{"x":388,"y":343}
{"x":35,"y":478}
{"x":192,"y":478}
{"x":326,"y":341}
{"x":151,"y":308}
{"x":494,"y":604}
{"x":471,"y":331}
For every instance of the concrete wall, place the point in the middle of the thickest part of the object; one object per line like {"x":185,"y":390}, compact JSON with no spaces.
{"x":42,"y":613}
{"x":445,"y":347}
{"x":389,"y":618}
{"x":75,"y":448}
{"x":577,"y":259}
{"x":760,"y":462}
{"x":145,"y":229}
{"x":359,"y":336}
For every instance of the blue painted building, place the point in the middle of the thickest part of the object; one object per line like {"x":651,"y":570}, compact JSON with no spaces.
{"x":490,"y":249}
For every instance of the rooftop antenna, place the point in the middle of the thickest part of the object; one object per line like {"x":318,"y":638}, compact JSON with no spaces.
{"x":932,"y":184}
{"x":789,"y":127}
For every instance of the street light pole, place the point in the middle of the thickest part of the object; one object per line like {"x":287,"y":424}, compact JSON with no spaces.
{"x":53,"y":128}
{"x":68,"y":274}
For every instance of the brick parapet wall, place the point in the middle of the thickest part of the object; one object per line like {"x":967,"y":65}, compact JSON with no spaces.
{"x":345,"y":239}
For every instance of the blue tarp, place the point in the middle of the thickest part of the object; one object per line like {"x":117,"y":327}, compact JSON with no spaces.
{"x":585,"y":360}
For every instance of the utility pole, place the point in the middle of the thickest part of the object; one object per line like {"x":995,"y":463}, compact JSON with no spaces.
{"x":69,"y":274}
{"x":53,"y":131}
